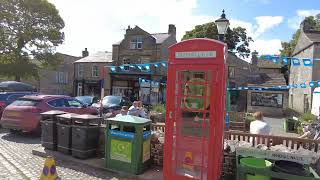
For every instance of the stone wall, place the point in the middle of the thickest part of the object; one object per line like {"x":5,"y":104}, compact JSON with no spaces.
{"x":301,"y":97}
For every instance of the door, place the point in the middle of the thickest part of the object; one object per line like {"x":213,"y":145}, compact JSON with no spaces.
{"x":191,"y":101}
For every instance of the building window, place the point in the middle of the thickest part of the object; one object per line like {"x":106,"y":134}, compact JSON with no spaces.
{"x":267,"y":99}
{"x":95,"y":71}
{"x":231,"y":72}
{"x":62,"y":77}
{"x":80,"y":70}
{"x":136,"y":43}
{"x":79,"y":89}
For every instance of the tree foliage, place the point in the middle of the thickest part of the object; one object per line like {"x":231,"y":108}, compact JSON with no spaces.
{"x":236,"y":38}
{"x":288,"y":47}
{"x":29,"y":32}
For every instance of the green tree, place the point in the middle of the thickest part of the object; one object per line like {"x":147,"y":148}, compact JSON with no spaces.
{"x":288,"y":47}
{"x":236,"y":38}
{"x":30,"y":30}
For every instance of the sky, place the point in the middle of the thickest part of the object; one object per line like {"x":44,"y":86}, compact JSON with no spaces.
{"x":97,"y":24}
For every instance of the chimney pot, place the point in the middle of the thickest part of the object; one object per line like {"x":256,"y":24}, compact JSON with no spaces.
{"x":85,"y":53}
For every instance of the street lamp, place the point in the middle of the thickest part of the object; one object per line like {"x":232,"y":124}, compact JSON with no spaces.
{"x":222,"y":25}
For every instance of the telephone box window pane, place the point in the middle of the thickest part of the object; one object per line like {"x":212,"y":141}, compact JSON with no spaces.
{"x":196,"y":104}
{"x":189,"y":75}
{"x":194,"y":124}
{"x":190,"y":89}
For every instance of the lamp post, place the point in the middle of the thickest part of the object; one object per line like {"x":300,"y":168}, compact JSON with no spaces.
{"x":222,"y":26}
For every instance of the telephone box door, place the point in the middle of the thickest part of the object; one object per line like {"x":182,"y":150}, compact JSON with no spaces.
{"x":192,"y":120}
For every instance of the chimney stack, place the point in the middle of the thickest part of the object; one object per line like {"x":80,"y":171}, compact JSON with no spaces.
{"x":172,"y":30}
{"x":85,"y":53}
{"x":254,"y":61}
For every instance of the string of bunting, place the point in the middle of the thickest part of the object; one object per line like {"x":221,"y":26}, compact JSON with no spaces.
{"x":286,"y":60}
{"x":152,"y":83}
{"x":292,"y":86}
{"x":141,"y":67}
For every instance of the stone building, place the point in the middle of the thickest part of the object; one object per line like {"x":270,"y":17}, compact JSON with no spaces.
{"x":238,"y":70}
{"x":89,"y":73}
{"x":56,"y":80}
{"x":308,"y":46}
{"x":268,"y":97}
{"x":140,"y":47}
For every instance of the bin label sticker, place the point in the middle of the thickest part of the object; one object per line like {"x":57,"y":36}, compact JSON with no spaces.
{"x":121,"y":134}
{"x":121,"y":150}
{"x":146,"y":150}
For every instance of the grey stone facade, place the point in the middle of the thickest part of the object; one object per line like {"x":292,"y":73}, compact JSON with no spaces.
{"x":154,"y":47}
{"x":307,"y":47}
{"x":88,"y":74}
{"x":58,"y":80}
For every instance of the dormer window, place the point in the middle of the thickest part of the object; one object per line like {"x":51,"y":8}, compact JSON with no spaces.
{"x":136,"y":42}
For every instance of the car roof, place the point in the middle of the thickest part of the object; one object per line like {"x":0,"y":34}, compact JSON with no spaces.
{"x":43,"y":97}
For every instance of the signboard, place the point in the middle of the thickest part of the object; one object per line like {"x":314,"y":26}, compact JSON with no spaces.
{"x":121,"y":150}
{"x":146,"y":151}
{"x":274,"y":155}
{"x":196,"y":54}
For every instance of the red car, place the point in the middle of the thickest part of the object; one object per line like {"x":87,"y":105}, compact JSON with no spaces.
{"x":24,"y":113}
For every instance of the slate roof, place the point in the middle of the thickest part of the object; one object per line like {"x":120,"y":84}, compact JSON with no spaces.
{"x":99,"y":57}
{"x":160,"y":37}
{"x":266,"y":80}
{"x":268,"y":64}
{"x":314,"y":36}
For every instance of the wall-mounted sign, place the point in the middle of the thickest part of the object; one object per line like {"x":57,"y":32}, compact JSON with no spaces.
{"x":196,"y":54}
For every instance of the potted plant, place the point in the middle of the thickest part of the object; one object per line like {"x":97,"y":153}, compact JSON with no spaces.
{"x":158,"y":113}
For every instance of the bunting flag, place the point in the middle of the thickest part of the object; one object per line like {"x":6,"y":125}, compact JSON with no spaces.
{"x":141,"y":67}
{"x":285,"y":60}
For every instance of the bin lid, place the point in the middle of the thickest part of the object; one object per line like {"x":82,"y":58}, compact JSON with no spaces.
{"x":130,"y":119}
{"x":53,"y":112}
{"x":67,"y":116}
{"x":86,"y":116}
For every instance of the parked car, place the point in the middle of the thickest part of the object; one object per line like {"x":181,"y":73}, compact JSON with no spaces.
{"x":88,"y":100}
{"x":113,"y":104}
{"x":24,"y":113}
{"x":7,"y":98}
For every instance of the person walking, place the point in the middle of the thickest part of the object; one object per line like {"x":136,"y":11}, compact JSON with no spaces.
{"x":259,"y":126}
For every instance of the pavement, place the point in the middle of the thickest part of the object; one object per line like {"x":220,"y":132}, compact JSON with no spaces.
{"x":276,"y":125}
{"x":17,"y":161}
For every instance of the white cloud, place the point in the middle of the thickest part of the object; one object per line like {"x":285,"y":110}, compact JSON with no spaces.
{"x":267,"y":22}
{"x":266,"y":47}
{"x":97,"y":24}
{"x":294,"y":22}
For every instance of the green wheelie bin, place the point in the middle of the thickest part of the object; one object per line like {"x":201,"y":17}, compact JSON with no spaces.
{"x":128,"y":144}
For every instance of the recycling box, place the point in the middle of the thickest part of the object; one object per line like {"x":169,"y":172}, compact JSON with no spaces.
{"x":128,"y":144}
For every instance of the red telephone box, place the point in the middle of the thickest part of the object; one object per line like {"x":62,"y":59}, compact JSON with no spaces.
{"x":195,"y":110}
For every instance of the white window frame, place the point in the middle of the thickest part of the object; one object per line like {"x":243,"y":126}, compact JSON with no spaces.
{"x":61,"y":78}
{"x":79,"y":89}
{"x":95,"y":71}
{"x":80,"y":70}
{"x":136,"y":42}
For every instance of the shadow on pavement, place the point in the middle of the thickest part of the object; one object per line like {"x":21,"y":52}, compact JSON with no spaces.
{"x":22,"y":137}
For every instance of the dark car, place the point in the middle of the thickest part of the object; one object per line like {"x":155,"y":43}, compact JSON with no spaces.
{"x":88,"y":100}
{"x":24,"y":113}
{"x":7,"y":98}
{"x":113,"y":104}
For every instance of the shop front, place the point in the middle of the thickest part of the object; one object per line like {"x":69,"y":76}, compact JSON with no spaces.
{"x":144,"y":87}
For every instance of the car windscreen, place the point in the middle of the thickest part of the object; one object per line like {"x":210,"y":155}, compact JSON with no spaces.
{"x":24,"y":102}
{"x":111,"y":100}
{"x":85,"y":99}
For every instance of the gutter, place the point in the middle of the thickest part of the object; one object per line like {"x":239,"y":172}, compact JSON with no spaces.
{"x":313,"y":43}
